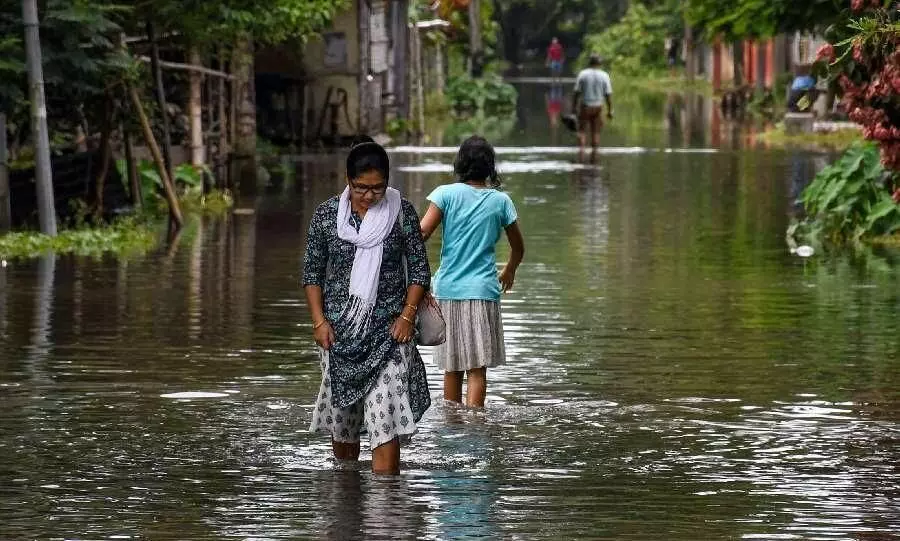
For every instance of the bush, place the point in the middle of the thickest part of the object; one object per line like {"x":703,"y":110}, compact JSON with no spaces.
{"x":634,"y":45}
{"x":849,"y":200}
{"x":489,"y":95}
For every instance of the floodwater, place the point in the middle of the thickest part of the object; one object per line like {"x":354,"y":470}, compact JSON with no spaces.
{"x":674,"y":371}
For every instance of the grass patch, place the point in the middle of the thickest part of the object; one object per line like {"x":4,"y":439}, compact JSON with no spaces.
{"x":663,"y":82}
{"x":215,"y":203}
{"x":838,"y":140}
{"x":126,"y":236}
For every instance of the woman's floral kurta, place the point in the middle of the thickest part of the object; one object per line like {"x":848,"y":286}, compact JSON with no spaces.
{"x":356,"y":362}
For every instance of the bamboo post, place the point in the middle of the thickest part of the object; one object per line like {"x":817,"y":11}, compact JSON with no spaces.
{"x":174,"y":208}
{"x":160,"y":98}
{"x":43,"y":171}
{"x":5,"y":204}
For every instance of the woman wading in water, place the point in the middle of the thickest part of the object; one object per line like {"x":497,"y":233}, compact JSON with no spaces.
{"x":373,"y":379}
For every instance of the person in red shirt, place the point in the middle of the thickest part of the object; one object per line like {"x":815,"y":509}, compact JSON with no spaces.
{"x":556,"y":57}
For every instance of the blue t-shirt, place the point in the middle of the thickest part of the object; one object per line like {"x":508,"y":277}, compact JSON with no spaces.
{"x":473,"y":220}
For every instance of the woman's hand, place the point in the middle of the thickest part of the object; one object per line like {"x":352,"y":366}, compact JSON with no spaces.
{"x":324,"y":336}
{"x":402,"y":330}
{"x":507,"y":279}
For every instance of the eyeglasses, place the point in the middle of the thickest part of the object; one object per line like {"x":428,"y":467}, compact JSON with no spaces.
{"x":363,"y":190}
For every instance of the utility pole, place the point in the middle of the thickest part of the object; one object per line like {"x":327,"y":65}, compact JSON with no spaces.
{"x":42,"y":170}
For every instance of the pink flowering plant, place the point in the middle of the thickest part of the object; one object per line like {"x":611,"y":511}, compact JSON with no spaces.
{"x":856,"y":198}
{"x":862,"y":64}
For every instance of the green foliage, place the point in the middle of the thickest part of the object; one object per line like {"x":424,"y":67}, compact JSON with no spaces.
{"x":488,"y":96}
{"x":397,"y":127}
{"x":849,"y":200}
{"x":491,"y":128}
{"x":633,"y":46}
{"x":133,"y":235}
{"x":740,"y":19}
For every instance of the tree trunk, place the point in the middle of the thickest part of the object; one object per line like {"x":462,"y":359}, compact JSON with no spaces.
{"x":175,"y":216}
{"x":223,"y":126}
{"x":43,"y":171}
{"x":737,"y":57}
{"x":160,"y":91}
{"x":439,"y":66}
{"x":475,"y":52}
{"x":105,"y":157}
{"x":245,"y":145}
{"x":134,"y":183}
{"x":762,"y":58}
{"x":5,"y":205}
{"x":690,"y":56}
{"x":195,"y":110}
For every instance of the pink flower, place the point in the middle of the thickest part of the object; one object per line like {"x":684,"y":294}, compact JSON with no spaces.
{"x":825,"y":52}
{"x":858,"y":53}
{"x":857,"y":5}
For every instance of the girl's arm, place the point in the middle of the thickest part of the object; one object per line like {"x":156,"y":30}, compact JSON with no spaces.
{"x":430,"y":221}
{"x":418,"y":275}
{"x":517,"y":247}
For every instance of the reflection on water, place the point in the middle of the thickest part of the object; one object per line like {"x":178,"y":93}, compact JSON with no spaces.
{"x":674,"y":373}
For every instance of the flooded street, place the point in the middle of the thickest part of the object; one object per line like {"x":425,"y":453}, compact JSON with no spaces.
{"x":674,"y":372}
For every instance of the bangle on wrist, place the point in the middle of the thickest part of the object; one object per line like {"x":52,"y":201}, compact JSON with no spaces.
{"x":404,"y":318}
{"x":319,"y":324}
{"x":413,"y":306}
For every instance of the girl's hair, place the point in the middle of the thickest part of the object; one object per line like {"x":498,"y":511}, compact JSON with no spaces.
{"x":476,"y":160}
{"x":367,"y":155}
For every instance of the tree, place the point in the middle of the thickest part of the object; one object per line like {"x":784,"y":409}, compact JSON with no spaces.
{"x":635,"y":44}
{"x":89,"y":78}
{"x":742,"y":19}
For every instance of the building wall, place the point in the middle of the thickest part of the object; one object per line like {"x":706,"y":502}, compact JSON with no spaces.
{"x":326,"y":67}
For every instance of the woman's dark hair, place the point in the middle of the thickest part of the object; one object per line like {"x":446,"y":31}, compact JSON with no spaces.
{"x":476,"y":160}
{"x":367,"y":155}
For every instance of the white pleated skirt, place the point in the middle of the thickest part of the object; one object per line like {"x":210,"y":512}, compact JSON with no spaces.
{"x":474,"y":336}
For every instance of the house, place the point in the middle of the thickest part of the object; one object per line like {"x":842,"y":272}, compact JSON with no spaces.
{"x":763,"y":61}
{"x":349,"y":80}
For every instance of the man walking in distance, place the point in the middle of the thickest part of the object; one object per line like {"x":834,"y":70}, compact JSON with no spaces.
{"x":592,"y":88}
{"x":556,"y":57}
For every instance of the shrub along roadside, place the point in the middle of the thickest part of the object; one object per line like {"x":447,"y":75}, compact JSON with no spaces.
{"x":488,"y":96}
{"x":132,"y":234}
{"x":849,"y":201}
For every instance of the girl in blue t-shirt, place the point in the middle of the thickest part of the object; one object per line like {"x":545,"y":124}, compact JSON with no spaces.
{"x":473,"y":214}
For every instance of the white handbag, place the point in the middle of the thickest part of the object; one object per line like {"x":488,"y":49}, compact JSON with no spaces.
{"x":431,"y":328}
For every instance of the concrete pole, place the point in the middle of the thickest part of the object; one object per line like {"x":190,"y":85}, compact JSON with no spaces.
{"x":43,"y":172}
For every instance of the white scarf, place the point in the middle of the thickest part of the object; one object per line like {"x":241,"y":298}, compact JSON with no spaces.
{"x":369,"y":241}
